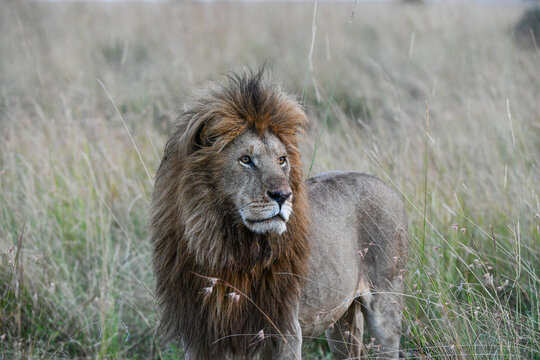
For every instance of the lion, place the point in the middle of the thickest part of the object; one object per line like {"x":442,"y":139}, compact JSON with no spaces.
{"x":249,"y":257}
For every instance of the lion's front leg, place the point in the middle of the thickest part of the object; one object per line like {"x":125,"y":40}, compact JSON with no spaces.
{"x":278,"y":349}
{"x":287,"y":346}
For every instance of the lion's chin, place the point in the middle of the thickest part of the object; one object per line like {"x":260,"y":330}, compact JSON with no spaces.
{"x":275,"y":225}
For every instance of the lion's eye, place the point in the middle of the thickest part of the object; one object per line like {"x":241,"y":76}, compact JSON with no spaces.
{"x":246,"y":160}
{"x":282,"y":161}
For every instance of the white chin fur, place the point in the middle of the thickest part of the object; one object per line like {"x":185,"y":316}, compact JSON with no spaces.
{"x":277,"y":226}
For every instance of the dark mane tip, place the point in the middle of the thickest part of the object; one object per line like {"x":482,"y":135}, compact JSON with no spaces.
{"x":251,"y":91}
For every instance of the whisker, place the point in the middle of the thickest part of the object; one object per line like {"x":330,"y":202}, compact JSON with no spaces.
{"x":249,"y":203}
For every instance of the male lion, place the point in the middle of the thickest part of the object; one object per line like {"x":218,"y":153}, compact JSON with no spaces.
{"x":250,"y":258}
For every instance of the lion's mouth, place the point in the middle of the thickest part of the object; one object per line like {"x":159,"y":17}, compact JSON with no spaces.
{"x":275,"y":217}
{"x":267,"y":220}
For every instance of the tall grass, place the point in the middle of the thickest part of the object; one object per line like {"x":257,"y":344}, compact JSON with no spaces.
{"x":75,"y":279}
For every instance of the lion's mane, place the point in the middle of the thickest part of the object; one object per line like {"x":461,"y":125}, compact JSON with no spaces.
{"x":201,"y":257}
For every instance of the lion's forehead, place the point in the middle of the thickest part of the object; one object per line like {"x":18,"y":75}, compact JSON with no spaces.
{"x":251,"y":144}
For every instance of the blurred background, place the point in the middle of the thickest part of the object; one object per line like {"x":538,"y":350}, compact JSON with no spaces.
{"x":438,"y":99}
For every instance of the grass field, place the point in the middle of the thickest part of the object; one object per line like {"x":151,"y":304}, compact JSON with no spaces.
{"x":77,"y":165}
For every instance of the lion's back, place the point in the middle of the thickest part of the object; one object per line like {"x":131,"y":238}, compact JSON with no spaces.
{"x":354,"y":196}
{"x":361,"y":206}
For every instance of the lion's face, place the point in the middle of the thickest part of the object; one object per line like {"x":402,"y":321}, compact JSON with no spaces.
{"x":255,"y":180}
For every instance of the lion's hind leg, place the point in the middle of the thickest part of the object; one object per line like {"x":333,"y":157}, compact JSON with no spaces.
{"x":345,"y":336}
{"x":383,"y":311}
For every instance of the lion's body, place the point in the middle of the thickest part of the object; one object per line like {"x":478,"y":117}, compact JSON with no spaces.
{"x":239,"y":268}
{"x":358,"y":242}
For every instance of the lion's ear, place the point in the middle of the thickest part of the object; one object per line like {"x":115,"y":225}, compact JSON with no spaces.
{"x":211,"y":131}
{"x":201,"y":137}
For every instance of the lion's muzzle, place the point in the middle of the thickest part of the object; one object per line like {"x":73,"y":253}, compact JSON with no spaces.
{"x":268,"y":216}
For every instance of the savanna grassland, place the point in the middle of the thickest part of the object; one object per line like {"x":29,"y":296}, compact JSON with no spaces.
{"x":87,"y":95}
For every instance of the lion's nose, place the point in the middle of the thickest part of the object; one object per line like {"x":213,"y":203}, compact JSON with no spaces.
{"x":279,"y":195}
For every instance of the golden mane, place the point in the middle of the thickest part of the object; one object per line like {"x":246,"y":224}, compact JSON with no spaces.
{"x":218,"y":283}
